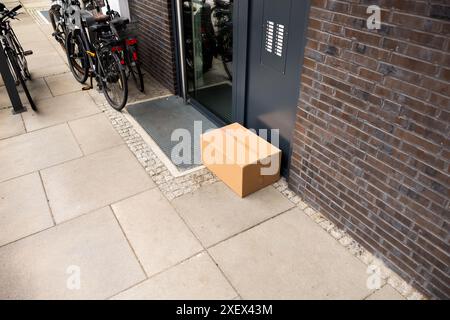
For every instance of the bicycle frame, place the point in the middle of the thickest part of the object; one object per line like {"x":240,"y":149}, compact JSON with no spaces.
{"x":14,"y":52}
{"x":5,"y":42}
{"x":89,"y":46}
{"x":8,"y":37}
{"x":95,"y":65}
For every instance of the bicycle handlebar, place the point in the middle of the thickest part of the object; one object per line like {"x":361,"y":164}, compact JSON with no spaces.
{"x":9,"y":13}
{"x":16,"y":8}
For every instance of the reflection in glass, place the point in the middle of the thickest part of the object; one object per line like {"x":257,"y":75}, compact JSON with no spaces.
{"x":208,"y":33}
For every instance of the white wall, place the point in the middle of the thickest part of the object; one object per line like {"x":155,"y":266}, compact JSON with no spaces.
{"x":121,"y":6}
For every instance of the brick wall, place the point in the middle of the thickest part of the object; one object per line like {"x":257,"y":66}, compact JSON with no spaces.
{"x":156,"y":45}
{"x":371,"y":146}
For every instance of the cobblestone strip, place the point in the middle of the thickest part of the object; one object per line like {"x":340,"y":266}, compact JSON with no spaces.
{"x":388,"y":276}
{"x":174,"y":187}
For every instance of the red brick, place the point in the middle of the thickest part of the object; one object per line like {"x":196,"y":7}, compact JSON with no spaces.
{"x":413,"y":64}
{"x":362,"y":37}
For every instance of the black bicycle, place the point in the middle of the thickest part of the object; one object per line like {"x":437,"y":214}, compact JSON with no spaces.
{"x":127,"y":36}
{"x":14,"y":51}
{"x":58,"y":15}
{"x":93,"y":51}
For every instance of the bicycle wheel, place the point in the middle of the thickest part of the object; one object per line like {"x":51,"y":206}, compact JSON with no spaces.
{"x":114,"y":81}
{"x":13,"y":61}
{"x":134,"y":69}
{"x":77,"y":57}
{"x":59,"y":31}
{"x":20,"y":53}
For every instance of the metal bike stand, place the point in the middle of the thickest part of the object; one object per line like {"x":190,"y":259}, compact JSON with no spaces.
{"x":10,"y":85}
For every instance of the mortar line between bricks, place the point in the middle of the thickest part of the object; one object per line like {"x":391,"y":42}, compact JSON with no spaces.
{"x":375,"y":138}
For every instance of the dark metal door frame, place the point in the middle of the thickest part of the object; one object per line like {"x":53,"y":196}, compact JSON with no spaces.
{"x":240,"y":48}
{"x":240,"y":21}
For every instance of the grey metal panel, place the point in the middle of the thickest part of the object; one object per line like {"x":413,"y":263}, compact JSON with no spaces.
{"x":272,"y":90}
{"x":276,"y":22}
{"x":179,"y":48}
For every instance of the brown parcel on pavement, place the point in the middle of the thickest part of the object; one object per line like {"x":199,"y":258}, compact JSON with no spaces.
{"x":241,"y":165}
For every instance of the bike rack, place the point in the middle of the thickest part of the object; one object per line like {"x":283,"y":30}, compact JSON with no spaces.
{"x":10,"y":85}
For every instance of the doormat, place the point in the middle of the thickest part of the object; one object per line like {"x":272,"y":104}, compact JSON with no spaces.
{"x":169,"y":121}
{"x":218,"y":99}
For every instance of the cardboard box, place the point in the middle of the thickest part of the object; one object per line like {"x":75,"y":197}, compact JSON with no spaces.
{"x":240,"y":158}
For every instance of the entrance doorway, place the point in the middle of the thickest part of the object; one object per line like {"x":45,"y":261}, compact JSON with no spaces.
{"x":208,"y":48}
{"x":241,"y":61}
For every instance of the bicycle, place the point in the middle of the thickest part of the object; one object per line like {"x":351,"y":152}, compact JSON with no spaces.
{"x":58,"y":15}
{"x":14,"y":51}
{"x":129,"y":43}
{"x":93,"y":51}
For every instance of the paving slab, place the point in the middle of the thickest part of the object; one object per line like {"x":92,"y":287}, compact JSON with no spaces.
{"x":47,"y":265}
{"x":195,"y":279}
{"x":59,"y":110}
{"x":92,"y":182}
{"x":39,"y":47}
{"x":58,"y":68}
{"x":95,"y":133}
{"x":23,"y":208}
{"x":156,"y":232}
{"x":44,"y":57}
{"x":46,"y":64}
{"x":152,"y":89}
{"x":290,"y":257}
{"x":38,"y":90}
{"x":63,"y":83}
{"x":33,"y":151}
{"x":37,"y":87}
{"x":215,"y":213}
{"x":10,"y":124}
{"x":29,"y":32}
{"x":386,"y":293}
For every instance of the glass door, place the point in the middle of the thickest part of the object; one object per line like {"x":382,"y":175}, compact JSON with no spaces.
{"x":208,"y":43}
